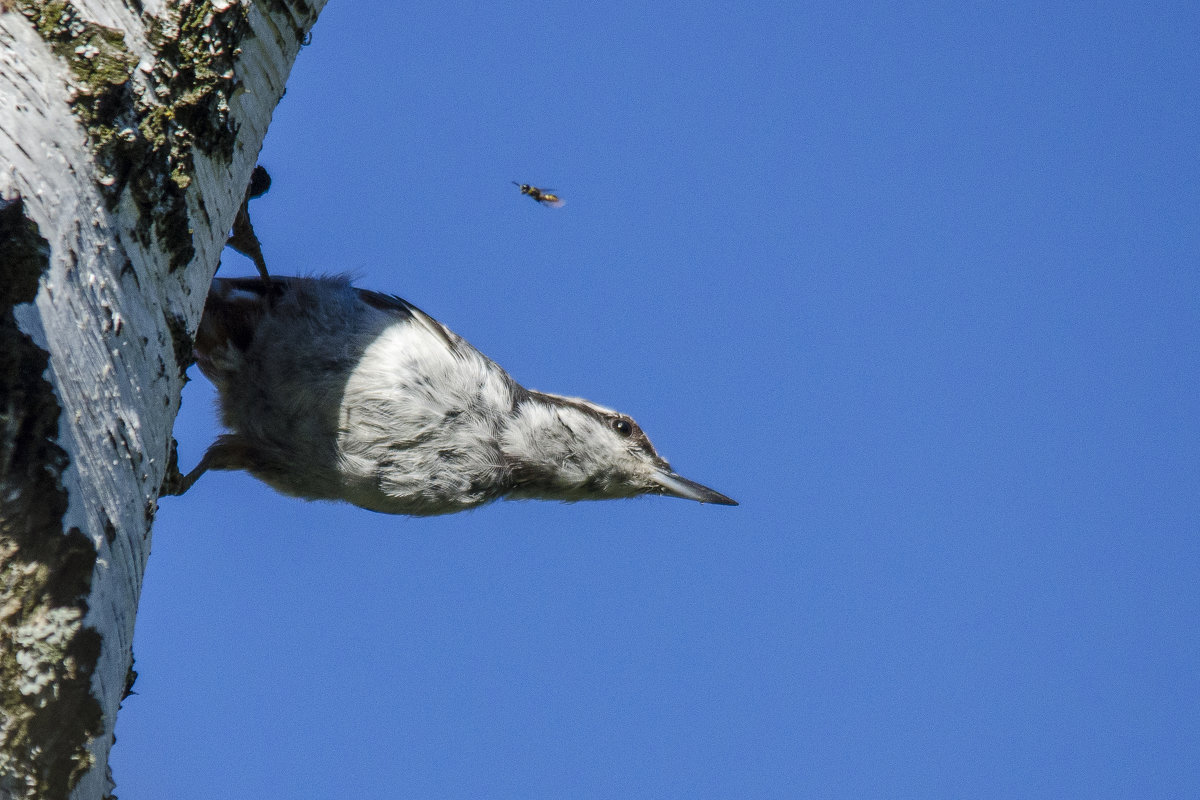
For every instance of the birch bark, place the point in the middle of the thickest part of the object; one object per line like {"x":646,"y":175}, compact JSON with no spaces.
{"x":128,"y":131}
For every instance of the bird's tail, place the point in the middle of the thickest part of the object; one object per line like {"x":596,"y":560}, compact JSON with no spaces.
{"x":232,"y":313}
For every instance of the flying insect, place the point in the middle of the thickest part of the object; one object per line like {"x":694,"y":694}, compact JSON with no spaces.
{"x":543,"y":196}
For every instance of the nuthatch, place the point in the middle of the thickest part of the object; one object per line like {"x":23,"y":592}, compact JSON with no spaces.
{"x":337,"y":393}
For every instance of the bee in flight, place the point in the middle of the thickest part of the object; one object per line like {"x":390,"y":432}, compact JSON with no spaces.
{"x":543,"y":196}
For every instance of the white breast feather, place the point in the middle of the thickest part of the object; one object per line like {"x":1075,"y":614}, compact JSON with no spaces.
{"x":426,"y":412}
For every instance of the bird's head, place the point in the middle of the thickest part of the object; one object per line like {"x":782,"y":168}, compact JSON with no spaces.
{"x":569,"y":449}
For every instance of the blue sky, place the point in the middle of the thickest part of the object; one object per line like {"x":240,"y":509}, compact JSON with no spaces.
{"x":916,"y":284}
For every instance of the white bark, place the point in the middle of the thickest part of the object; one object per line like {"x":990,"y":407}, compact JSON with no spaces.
{"x":121,"y":293}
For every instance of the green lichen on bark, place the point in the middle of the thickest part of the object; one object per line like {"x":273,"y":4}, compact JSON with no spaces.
{"x":95,"y":53}
{"x":47,"y":709}
{"x":101,"y":68}
{"x":145,"y":133}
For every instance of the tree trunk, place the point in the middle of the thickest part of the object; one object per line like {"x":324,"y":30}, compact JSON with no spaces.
{"x":128,"y":131}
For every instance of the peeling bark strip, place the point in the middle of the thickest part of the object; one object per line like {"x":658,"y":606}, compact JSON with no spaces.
{"x":47,"y":712}
{"x":144,"y":133}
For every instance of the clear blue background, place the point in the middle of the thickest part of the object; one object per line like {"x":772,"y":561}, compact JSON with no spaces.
{"x":916,"y":283}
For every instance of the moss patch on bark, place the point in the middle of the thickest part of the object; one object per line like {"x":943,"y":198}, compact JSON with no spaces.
{"x":144,"y":133}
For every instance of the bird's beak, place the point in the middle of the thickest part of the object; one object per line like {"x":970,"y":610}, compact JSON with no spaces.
{"x":678,"y":486}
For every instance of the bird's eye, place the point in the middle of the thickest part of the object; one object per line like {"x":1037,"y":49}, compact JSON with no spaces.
{"x":623,"y":427}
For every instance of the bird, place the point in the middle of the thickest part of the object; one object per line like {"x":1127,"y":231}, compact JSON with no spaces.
{"x":332,"y":392}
